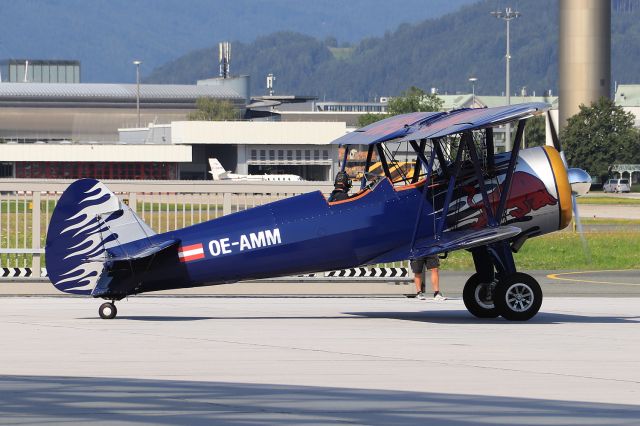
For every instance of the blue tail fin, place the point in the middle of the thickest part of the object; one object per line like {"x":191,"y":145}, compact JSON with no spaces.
{"x":87,"y":221}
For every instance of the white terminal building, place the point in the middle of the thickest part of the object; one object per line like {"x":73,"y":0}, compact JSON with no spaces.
{"x":66,"y":129}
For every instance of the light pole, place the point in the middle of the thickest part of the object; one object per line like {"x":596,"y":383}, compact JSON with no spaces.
{"x":137,"y":64}
{"x":507,"y":15}
{"x":473,"y":89}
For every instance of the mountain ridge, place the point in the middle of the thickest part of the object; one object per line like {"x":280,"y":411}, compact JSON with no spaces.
{"x":107,"y":35}
{"x":441,"y":53}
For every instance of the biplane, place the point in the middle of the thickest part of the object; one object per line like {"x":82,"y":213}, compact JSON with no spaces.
{"x":460,"y":195}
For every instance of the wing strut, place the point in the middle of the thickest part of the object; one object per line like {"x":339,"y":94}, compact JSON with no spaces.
{"x":512,"y":166}
{"x":440,"y":154}
{"x":420,"y":153}
{"x":417,"y":166}
{"x":425,"y":187}
{"x":450,"y":189}
{"x":491,"y":161}
{"x":367,"y":164}
{"x":468,"y":138}
{"x":383,"y":160}
{"x":346,"y":157}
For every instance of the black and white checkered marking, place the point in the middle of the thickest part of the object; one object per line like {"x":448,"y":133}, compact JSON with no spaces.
{"x":21,"y":272}
{"x":369,"y":272}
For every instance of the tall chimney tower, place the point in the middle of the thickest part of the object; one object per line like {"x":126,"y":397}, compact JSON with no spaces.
{"x":584,"y":54}
{"x":224,"y":58}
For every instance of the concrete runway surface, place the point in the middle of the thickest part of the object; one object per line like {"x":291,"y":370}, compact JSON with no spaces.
{"x":317,"y":360}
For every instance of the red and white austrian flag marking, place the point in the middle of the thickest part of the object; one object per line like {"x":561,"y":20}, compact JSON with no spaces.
{"x":192,"y":252}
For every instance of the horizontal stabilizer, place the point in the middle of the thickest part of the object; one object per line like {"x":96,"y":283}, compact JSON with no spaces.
{"x":460,"y":240}
{"x":141,"y":253}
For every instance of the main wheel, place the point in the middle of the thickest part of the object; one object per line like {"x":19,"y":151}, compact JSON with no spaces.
{"x":518,"y":297}
{"x":478,"y":297}
{"x":108,"y":310}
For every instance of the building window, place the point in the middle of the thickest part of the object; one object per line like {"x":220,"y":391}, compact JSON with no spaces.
{"x":325,"y":154}
{"x":298,"y":154}
{"x":289,"y":154}
{"x":263,"y":155}
{"x":316,"y":154}
{"x":272,"y":155}
{"x":254,"y":154}
{"x":307,"y":154}
{"x":280,"y":154}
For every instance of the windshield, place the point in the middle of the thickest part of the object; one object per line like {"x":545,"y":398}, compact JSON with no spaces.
{"x":624,"y":181}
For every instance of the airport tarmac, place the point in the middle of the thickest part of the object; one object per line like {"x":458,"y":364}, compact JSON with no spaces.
{"x":607,"y":283}
{"x":317,"y":360}
{"x":608,"y":211}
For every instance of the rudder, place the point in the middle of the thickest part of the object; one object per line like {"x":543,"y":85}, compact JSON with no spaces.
{"x":88,"y":220}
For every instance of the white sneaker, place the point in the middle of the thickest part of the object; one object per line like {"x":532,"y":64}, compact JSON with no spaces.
{"x":438,"y":297}
{"x":421,"y":296}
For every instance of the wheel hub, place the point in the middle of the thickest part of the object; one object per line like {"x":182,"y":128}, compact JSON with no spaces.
{"x":519,"y":297}
{"x":484,"y":295}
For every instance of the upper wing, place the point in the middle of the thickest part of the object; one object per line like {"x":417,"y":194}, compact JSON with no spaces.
{"x":387,"y":129}
{"x":429,"y":125}
{"x":472,"y":119}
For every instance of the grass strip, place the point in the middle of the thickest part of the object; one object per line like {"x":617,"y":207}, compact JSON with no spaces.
{"x":563,"y":250}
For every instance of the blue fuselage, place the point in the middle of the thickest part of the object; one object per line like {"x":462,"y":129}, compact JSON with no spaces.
{"x":301,"y":234}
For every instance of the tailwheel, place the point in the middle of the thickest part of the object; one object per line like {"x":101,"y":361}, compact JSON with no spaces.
{"x":478,"y":297}
{"x":108,"y":310}
{"x":518,"y":297}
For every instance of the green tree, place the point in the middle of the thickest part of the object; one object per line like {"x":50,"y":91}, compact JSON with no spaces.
{"x":535,"y":132}
{"x":210,"y":109}
{"x":600,"y":135}
{"x":411,"y":100}
{"x":414,"y":100}
{"x":368,"y":118}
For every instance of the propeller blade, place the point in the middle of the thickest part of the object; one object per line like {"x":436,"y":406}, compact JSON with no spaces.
{"x":576,"y":218}
{"x":554,"y":134}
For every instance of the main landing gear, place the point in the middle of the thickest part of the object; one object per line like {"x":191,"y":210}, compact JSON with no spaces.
{"x":108,"y":310}
{"x":496,"y":289}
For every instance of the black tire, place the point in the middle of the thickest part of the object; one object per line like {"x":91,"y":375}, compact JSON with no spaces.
{"x":518,"y":297}
{"x":108,"y":310}
{"x":478,"y":298}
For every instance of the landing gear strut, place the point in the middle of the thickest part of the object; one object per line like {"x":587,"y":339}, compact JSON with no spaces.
{"x":497,"y":289}
{"x":108,"y":310}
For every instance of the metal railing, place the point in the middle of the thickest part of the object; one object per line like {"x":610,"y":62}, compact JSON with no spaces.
{"x":26,"y":207}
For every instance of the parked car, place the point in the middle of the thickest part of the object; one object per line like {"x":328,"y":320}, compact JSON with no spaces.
{"x":617,"y":185}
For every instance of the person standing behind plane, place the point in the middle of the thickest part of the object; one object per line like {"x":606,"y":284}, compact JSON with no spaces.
{"x":431,"y":263}
{"x":341,"y":185}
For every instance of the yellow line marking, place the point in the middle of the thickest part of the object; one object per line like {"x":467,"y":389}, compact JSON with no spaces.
{"x":556,"y":277}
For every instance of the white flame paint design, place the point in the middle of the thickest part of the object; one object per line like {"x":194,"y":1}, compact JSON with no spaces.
{"x":88,"y":275}
{"x":94,"y":238}
{"x":90,"y":212}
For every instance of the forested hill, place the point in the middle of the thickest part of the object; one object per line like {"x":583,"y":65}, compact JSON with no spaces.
{"x":440,"y":53}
